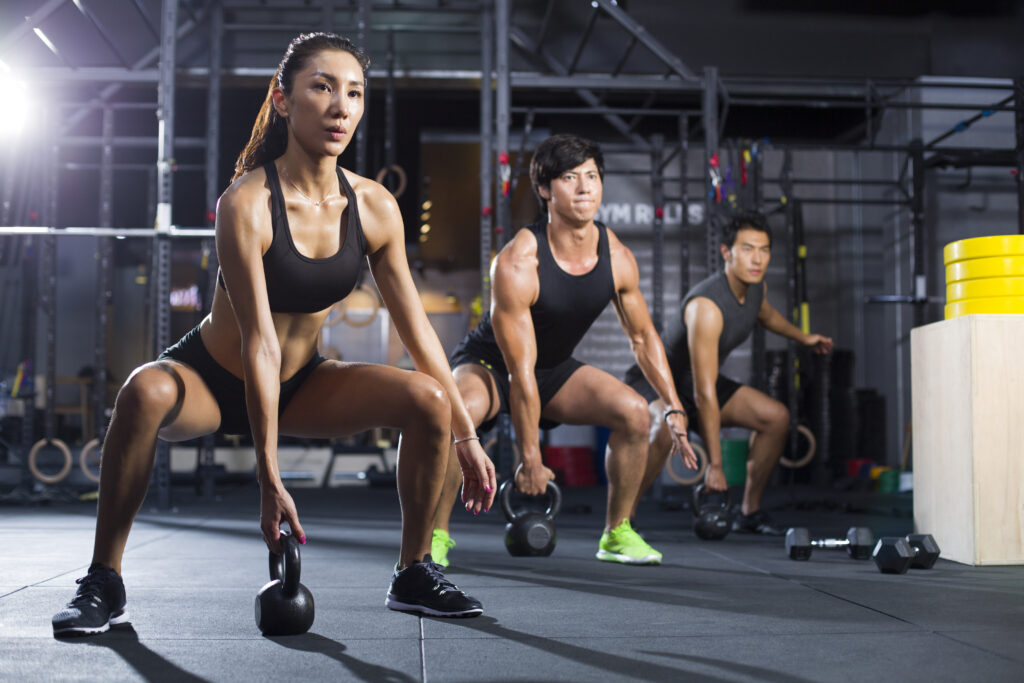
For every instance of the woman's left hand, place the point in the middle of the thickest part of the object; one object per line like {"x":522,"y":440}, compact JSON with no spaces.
{"x":478,"y":481}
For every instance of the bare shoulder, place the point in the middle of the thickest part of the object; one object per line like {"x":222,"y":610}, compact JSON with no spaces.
{"x":375,"y":201}
{"x":514,"y":272}
{"x":519,"y":253}
{"x":702,"y":314}
{"x":621,"y":256}
{"x":378,"y":211}
{"x":246,"y":202}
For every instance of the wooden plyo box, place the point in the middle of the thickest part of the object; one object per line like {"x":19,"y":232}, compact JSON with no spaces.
{"x":968,"y":435}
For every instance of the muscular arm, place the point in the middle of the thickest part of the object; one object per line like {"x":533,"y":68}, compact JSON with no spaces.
{"x":242,"y":229}
{"x":703,"y":329}
{"x":636,"y":322}
{"x":382,"y":223}
{"x":243,"y":234}
{"x":515,"y":289}
{"x":643,"y":337}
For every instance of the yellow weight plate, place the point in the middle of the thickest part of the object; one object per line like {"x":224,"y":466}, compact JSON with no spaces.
{"x":993,"y":305}
{"x":994,"y":266}
{"x":983,"y":247}
{"x":985,"y":287}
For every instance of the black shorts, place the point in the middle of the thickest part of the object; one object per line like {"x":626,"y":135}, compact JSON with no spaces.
{"x":549,"y":380}
{"x":725,"y":387}
{"x":228,"y":390}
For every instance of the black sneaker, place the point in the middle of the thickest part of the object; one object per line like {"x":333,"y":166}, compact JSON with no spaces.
{"x":759,"y":522}
{"x":421,"y":587}
{"x":98,"y":604}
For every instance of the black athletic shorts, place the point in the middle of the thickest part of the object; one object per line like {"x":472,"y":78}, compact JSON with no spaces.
{"x":549,"y":380}
{"x":725,"y":387}
{"x":228,"y":390}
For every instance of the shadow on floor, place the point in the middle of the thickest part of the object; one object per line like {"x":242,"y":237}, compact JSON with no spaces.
{"x":124,"y":640}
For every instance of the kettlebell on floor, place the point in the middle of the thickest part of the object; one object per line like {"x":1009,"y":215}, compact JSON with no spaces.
{"x":713,"y":520}
{"x":528,"y":532}
{"x":284,"y":607}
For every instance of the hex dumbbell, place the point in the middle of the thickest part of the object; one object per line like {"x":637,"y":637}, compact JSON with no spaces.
{"x":858,"y":543}
{"x":897,"y":554}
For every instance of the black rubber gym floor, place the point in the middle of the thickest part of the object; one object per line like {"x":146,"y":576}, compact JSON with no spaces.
{"x":732,"y":610}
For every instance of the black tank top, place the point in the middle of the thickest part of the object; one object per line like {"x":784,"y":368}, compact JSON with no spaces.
{"x":566,"y":306}
{"x":297,"y":283}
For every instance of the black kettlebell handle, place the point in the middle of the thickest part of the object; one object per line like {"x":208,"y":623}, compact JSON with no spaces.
{"x":287,"y":568}
{"x":700,"y":494}
{"x":505,"y":498}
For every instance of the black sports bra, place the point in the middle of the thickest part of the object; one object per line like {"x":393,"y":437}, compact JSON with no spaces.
{"x":297,"y":283}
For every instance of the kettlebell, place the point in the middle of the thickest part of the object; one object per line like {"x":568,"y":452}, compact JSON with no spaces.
{"x":284,"y":607}
{"x":530,"y":533}
{"x":713,"y":520}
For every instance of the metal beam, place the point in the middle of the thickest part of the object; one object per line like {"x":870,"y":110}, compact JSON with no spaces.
{"x":213,"y":112}
{"x":684,"y":254}
{"x":98,"y":25}
{"x":486,"y":150}
{"x":710,"y":121}
{"x":145,"y":61}
{"x":364,"y":14}
{"x":648,"y":41}
{"x":658,"y":234}
{"x":503,"y":116}
{"x":31,"y":21}
{"x":591,"y":82}
{"x":583,"y":41}
{"x":526,"y":44}
{"x":161,"y":272}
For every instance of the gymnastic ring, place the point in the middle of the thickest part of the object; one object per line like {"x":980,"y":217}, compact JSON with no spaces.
{"x":402,"y":179}
{"x":83,"y":460}
{"x":338,"y":311}
{"x":702,"y":466}
{"x":812,"y":447}
{"x":65,"y":468}
{"x":356,"y":322}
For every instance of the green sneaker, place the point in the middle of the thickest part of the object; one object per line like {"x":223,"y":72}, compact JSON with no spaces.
{"x":624,"y":545}
{"x":440,"y":544}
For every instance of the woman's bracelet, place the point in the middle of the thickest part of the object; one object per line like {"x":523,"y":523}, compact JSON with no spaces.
{"x":466,"y":438}
{"x":672,"y":411}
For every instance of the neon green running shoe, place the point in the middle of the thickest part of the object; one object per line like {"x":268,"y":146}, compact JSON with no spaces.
{"x":624,"y":545}
{"x":440,"y":544}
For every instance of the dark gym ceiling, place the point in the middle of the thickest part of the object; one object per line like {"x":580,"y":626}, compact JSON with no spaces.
{"x":769,"y":48}
{"x":743,"y":38}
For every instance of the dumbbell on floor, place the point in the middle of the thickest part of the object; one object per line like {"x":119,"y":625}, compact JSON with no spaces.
{"x":858,"y":543}
{"x":896,"y":554}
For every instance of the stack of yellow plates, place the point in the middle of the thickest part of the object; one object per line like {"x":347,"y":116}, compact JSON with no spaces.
{"x":984,"y":275}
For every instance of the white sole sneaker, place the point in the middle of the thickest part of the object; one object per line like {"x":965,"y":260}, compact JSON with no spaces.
{"x":121,"y":618}
{"x":393,"y":603}
{"x":609,"y":556}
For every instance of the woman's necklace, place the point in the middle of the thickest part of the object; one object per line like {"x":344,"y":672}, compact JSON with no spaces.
{"x":316,"y":204}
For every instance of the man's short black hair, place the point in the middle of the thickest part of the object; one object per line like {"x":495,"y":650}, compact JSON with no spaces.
{"x":751,"y":220}
{"x":558,"y":154}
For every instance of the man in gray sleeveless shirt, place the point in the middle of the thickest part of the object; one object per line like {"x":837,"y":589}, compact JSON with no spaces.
{"x":718,"y":314}
{"x":550,"y":283}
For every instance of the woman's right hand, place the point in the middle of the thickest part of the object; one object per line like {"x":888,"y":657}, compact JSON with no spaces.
{"x":533,"y":481}
{"x":276,"y":506}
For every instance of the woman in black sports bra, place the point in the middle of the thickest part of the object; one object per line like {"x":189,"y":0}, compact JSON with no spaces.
{"x":292,"y":231}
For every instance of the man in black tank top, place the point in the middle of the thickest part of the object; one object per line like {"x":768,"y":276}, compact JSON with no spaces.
{"x":549,"y":285}
{"x":717,"y":315}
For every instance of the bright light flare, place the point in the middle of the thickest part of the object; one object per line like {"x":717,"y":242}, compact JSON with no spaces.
{"x":15,"y":110}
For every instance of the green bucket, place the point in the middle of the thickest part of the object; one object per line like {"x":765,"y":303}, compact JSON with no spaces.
{"x":734,"y":461}
{"x":889,"y":481}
